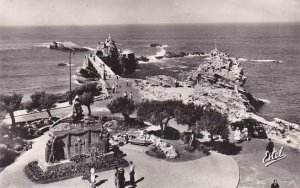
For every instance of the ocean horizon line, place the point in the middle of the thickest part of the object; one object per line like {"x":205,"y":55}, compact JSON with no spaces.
{"x":155,"y":24}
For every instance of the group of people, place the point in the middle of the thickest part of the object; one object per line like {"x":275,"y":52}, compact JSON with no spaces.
{"x":241,"y":135}
{"x":130,"y":95}
{"x":116,"y":86}
{"x":119,"y":176}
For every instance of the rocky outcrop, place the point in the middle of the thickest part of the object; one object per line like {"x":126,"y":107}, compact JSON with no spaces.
{"x":66,"y":46}
{"x":155,"y":45}
{"x":218,"y":83}
{"x":182,"y":54}
{"x":120,"y":62}
{"x":142,"y":58}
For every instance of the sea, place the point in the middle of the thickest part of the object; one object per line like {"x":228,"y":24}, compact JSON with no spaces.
{"x":270,"y":54}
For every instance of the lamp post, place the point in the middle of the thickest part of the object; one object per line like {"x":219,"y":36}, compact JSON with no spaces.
{"x":70,"y":68}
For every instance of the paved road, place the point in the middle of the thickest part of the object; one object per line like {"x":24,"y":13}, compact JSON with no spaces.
{"x":214,"y":171}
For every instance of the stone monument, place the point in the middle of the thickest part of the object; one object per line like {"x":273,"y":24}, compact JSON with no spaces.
{"x":76,"y":137}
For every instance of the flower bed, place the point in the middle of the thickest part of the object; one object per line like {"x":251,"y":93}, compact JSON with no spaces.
{"x":36,"y":174}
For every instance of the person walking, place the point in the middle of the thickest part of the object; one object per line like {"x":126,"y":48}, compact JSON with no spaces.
{"x":274,"y":184}
{"x":121,"y":178}
{"x":131,"y":96}
{"x":113,"y":89}
{"x":237,"y":135}
{"x":125,"y":94}
{"x":127,"y":82}
{"x":269,"y":148}
{"x":246,"y":134}
{"x":117,"y":178}
{"x":93,"y":178}
{"x":131,"y":173}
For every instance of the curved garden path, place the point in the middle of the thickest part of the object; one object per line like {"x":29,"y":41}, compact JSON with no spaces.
{"x":213,"y":171}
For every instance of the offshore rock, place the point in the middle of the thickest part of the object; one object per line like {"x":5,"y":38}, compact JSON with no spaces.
{"x":142,"y":58}
{"x":155,"y":45}
{"x":67,"y":46}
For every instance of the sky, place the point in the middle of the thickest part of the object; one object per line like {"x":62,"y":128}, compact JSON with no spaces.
{"x":103,"y":12}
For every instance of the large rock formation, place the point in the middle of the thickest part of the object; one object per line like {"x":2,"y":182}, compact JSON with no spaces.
{"x":121,"y":62}
{"x":218,"y":83}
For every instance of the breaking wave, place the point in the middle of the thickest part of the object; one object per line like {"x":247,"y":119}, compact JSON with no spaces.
{"x":45,"y":44}
{"x":161,"y":51}
{"x":265,"y":101}
{"x":242,"y":59}
{"x":267,"y":60}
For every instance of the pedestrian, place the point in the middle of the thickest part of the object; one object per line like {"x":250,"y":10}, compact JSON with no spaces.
{"x":113,"y":89}
{"x":131,"y":173}
{"x":117,"y":77}
{"x":269,"y":148}
{"x":93,"y":177}
{"x":125,"y":94}
{"x":237,"y":135}
{"x":246,"y":134}
{"x":274,"y":184}
{"x":131,"y":96}
{"x":117,"y":177}
{"x":127,"y":82}
{"x":121,"y":178}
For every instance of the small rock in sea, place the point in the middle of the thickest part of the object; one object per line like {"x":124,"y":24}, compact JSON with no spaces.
{"x":142,"y":58}
{"x":155,"y":45}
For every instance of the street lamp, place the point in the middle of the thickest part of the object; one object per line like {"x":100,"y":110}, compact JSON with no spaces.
{"x":70,"y":68}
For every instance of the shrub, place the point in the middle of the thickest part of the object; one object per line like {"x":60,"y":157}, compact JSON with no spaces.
{"x":7,"y":156}
{"x":155,"y":151}
{"x":122,"y":105}
{"x":36,"y":174}
{"x":11,"y":103}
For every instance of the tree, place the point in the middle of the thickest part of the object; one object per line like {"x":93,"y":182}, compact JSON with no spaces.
{"x":41,"y":100}
{"x":158,"y":112}
{"x":87,"y":99}
{"x":215,"y":123}
{"x":188,"y":114}
{"x":89,"y":87}
{"x":11,"y":104}
{"x":122,"y":105}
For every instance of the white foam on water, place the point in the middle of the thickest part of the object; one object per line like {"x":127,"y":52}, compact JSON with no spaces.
{"x":44,"y":44}
{"x":152,"y":58}
{"x":89,"y":48}
{"x":143,"y":62}
{"x":267,"y":60}
{"x":242,"y":59}
{"x":265,"y":101}
{"x":160,"y":51}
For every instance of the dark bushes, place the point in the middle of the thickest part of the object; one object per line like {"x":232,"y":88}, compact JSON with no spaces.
{"x":35,"y":173}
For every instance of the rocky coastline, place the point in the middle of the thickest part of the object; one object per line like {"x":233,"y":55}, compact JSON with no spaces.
{"x":218,"y":83}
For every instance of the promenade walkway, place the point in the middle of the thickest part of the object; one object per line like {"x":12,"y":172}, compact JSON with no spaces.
{"x":214,"y":171}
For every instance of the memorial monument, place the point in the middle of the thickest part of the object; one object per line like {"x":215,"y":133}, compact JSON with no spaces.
{"x":77,"y":143}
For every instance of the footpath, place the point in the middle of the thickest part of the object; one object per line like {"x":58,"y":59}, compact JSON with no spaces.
{"x":213,"y":171}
